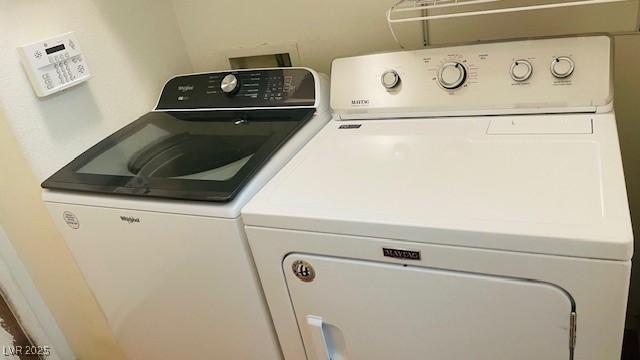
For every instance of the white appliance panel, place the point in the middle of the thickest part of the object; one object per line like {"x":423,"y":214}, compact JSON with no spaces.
{"x":599,"y":287}
{"x":434,"y":314}
{"x":179,"y":274}
{"x":358,"y":91}
{"x":413,"y":178}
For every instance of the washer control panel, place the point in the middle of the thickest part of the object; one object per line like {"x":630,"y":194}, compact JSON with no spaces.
{"x":570,"y":74}
{"x":275,"y":87}
{"x":54,"y":64}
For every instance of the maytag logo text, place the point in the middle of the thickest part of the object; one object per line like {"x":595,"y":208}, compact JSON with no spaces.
{"x":401,"y":254}
{"x":360,"y":102}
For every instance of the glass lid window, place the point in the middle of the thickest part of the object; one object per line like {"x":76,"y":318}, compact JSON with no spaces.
{"x":181,"y":150}
{"x":203,"y":155}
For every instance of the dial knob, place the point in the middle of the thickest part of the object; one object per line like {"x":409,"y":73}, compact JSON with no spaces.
{"x":562,"y":67}
{"x":452,"y":75}
{"x":390,"y":79}
{"x":230,"y":84}
{"x":521,"y":70}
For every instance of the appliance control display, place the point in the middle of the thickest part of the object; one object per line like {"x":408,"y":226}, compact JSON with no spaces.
{"x":53,"y":49}
{"x":240,"y":88}
{"x":54,"y":64}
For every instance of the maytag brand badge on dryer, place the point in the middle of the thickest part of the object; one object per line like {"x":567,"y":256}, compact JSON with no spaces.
{"x":401,"y":254}
{"x":360,"y":102}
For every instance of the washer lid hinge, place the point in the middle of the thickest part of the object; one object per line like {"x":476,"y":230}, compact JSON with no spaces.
{"x":572,"y":330}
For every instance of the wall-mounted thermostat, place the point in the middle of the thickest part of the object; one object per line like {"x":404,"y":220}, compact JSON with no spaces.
{"x":54,"y":64}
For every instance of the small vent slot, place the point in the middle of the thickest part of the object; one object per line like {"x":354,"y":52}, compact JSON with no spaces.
{"x":261,"y":61}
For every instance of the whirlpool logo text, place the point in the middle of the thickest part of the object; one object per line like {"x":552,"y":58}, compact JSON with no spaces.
{"x":130,"y":219}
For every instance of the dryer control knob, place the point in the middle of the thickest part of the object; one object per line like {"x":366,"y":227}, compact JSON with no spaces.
{"x":521,"y":70}
{"x":230,"y":84}
{"x":452,"y":75}
{"x":562,"y":67}
{"x":390,"y":79}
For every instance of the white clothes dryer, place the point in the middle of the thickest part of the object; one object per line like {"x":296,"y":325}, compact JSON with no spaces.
{"x":466,"y":202}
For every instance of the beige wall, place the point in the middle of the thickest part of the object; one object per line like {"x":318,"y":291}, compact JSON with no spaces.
{"x":614,"y":17}
{"x":328,"y":29}
{"x":627,"y":96}
{"x":45,"y":255}
{"x":132,"y":47}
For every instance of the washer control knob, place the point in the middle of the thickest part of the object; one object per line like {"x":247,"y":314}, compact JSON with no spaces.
{"x":452,"y":75}
{"x":390,"y":79}
{"x":562,"y":67}
{"x":521,"y":70}
{"x":230,"y":84}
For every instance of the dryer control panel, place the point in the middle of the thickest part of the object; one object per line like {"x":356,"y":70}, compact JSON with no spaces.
{"x":571,"y":74}
{"x":54,"y":64}
{"x":278,"y":87}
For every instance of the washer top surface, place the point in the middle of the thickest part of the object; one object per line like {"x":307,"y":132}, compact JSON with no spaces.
{"x":550,"y":184}
{"x":201,"y":142}
{"x":197,"y":146}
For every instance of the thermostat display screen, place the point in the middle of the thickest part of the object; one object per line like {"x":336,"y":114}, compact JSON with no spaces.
{"x":53,"y":49}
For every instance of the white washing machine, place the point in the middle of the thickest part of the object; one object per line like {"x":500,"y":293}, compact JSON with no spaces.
{"x":152,"y":213}
{"x":467,"y":202}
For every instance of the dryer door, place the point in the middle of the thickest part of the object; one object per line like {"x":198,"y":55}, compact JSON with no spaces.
{"x":356,"y":310}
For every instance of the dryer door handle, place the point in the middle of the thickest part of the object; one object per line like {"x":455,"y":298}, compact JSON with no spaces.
{"x":318,"y":338}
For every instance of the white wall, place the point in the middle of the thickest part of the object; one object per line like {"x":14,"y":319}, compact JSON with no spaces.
{"x":132,"y":47}
{"x":328,"y":29}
